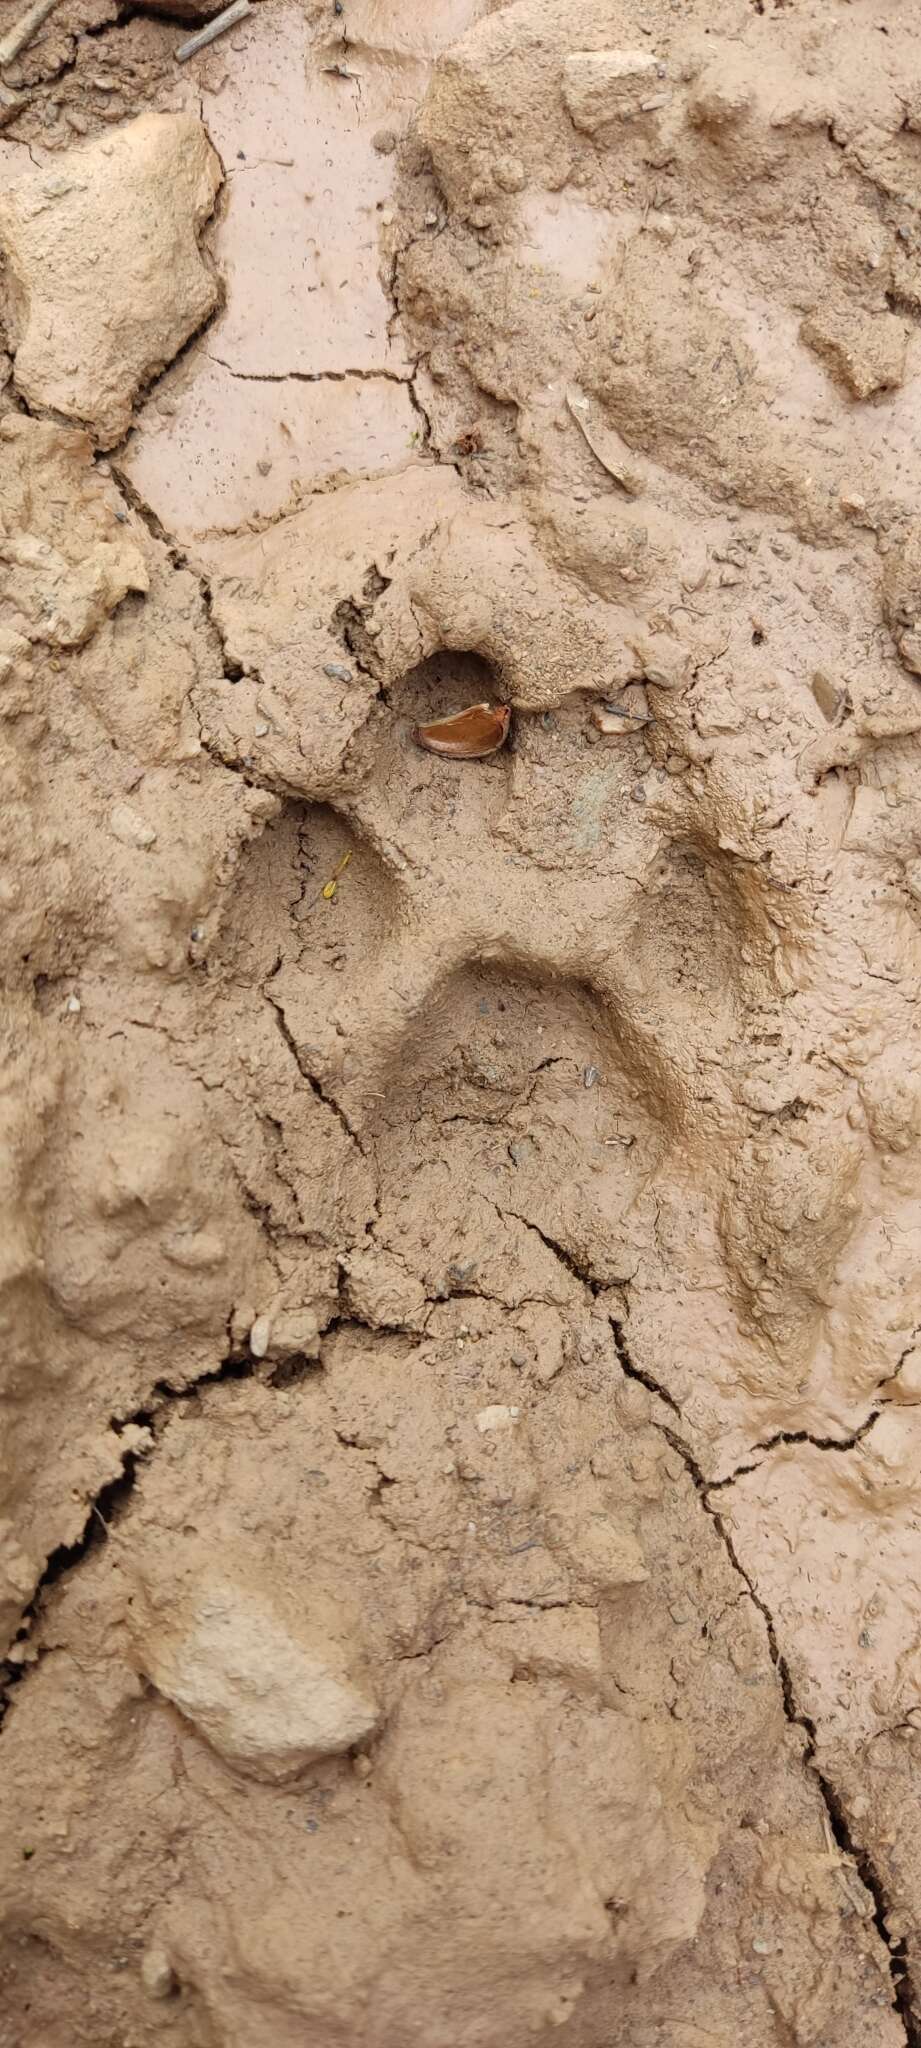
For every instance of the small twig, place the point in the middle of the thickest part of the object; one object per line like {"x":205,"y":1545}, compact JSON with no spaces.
{"x":24,"y":29}
{"x":214,"y":28}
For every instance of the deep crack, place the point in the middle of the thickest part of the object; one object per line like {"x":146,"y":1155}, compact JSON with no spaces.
{"x":311,"y":376}
{"x":635,"y":1372}
{"x":329,"y":1101}
{"x":105,"y":1507}
{"x":903,"y":1998}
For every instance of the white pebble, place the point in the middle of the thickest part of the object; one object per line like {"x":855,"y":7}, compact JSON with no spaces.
{"x":496,"y":1418}
{"x":260,"y":1336}
{"x":157,"y":1973}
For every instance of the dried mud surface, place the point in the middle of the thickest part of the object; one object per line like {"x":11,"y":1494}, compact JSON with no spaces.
{"x":460,"y":1574}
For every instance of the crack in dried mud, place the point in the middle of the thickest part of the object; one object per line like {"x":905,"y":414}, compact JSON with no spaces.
{"x":310,"y":377}
{"x":329,"y":1101}
{"x":105,"y":1508}
{"x":903,"y":1989}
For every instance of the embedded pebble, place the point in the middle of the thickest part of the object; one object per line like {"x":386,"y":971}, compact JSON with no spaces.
{"x":260,"y":1336}
{"x":600,"y":86}
{"x":496,"y":1418}
{"x":157,"y":1973}
{"x":270,"y":1692}
{"x":130,"y":828}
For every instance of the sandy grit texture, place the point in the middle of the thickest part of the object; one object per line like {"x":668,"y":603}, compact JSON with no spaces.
{"x":460,"y":1567}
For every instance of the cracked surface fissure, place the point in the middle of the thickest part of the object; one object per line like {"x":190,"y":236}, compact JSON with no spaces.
{"x":310,"y":376}
{"x":903,"y":1993}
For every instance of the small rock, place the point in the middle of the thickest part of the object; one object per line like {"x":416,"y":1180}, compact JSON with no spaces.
{"x":829,"y":699}
{"x":496,"y":1418}
{"x":606,"y":85}
{"x":638,"y":794}
{"x":664,"y":662}
{"x":865,"y":352}
{"x":270,"y":1693}
{"x":241,"y":1318}
{"x":157,"y":1974}
{"x":509,"y":174}
{"x":260,"y":1336}
{"x":589,"y":1076}
{"x":619,"y":719}
{"x":196,"y":1251}
{"x":295,"y":1333}
{"x":337,"y":672}
{"x":73,"y":1006}
{"x":130,"y":828}
{"x":909,"y":646}
{"x":384,"y":141}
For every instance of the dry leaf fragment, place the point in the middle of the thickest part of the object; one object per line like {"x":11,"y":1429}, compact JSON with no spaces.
{"x":466,"y":735}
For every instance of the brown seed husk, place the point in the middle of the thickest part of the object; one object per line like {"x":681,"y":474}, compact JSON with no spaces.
{"x":466,"y":735}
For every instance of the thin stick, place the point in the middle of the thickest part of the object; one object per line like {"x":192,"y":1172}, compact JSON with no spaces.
{"x":25,"y":28}
{"x":213,"y":28}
